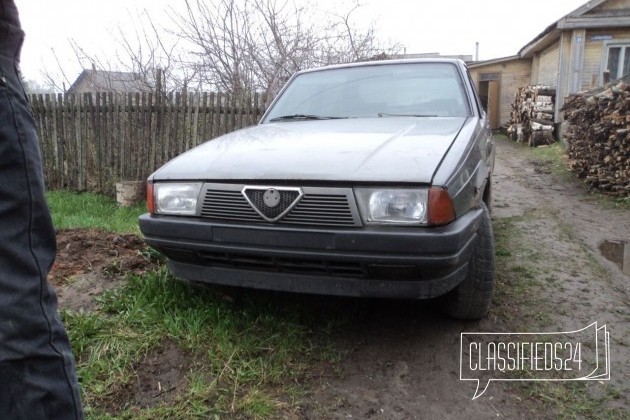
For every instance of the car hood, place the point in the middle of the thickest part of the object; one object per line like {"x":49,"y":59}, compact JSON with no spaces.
{"x":389,"y":149}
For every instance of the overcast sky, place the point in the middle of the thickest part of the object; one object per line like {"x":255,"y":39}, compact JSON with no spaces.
{"x":501,"y":27}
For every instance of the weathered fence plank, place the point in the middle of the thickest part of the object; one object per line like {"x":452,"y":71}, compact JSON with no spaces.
{"x":91,"y":141}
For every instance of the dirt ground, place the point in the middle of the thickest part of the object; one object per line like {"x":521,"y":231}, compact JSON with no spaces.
{"x":400,"y":360}
{"x":91,"y":261}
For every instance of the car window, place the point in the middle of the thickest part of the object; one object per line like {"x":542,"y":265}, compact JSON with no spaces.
{"x":414,"y":89}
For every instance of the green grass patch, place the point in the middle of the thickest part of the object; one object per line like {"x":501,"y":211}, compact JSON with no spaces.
{"x":554,"y":158}
{"x":572,"y":399}
{"x":609,"y":202}
{"x":519,"y":282}
{"x":85,"y":210}
{"x":241,"y":353}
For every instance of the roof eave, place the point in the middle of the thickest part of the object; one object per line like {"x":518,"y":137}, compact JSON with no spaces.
{"x":591,"y":22}
{"x":552,"y":32}
{"x":475,"y":64}
{"x":546,"y":38}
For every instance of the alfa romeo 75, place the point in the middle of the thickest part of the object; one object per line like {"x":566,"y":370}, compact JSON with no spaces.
{"x":367,"y":179}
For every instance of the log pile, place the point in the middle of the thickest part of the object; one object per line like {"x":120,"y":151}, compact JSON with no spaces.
{"x":598,"y":137}
{"x":531,"y":119}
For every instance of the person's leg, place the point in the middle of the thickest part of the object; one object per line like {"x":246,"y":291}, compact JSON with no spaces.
{"x":37,"y":371}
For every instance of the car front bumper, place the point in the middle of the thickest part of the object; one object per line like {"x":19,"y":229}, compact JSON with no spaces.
{"x":384,"y":261}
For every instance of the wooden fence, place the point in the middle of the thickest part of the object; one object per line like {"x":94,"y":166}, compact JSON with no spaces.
{"x":91,"y":141}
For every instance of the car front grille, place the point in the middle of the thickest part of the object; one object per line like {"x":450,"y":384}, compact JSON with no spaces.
{"x":320,"y":209}
{"x":228,"y":205}
{"x":284,"y":265}
{"x":316,"y":207}
{"x":256,"y":199}
{"x":304,"y":266}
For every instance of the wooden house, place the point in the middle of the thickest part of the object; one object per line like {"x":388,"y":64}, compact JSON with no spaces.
{"x":108,"y":81}
{"x":580,"y":51}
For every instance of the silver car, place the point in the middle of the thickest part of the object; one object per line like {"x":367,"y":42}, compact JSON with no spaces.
{"x":367,"y":179}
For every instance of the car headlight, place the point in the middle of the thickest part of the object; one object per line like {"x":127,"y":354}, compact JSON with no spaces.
{"x":393,"y":206}
{"x":176,"y":198}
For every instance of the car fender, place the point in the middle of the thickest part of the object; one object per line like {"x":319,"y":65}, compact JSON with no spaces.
{"x":466,"y":168}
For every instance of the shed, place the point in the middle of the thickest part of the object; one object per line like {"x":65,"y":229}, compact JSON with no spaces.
{"x":497,"y":81}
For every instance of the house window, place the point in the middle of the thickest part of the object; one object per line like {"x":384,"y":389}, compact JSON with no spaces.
{"x":618,"y":60}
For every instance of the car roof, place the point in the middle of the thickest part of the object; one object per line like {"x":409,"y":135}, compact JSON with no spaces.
{"x":455,"y":61}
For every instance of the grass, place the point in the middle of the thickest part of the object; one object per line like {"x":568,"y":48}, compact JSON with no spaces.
{"x":239,"y":352}
{"x":240,"y":358}
{"x":516,"y":279}
{"x":554,"y":156}
{"x":91,"y":211}
{"x":571,"y":400}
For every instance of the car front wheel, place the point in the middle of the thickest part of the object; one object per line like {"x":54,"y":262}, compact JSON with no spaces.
{"x":472,"y":298}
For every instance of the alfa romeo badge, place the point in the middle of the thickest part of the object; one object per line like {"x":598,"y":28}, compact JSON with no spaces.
{"x":271,"y":197}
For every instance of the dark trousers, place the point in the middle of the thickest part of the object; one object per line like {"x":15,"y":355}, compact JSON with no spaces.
{"x":37,"y":370}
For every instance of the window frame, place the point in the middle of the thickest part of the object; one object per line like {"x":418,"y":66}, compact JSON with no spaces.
{"x":624,"y":44}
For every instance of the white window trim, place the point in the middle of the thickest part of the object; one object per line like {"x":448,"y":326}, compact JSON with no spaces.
{"x":604,"y":61}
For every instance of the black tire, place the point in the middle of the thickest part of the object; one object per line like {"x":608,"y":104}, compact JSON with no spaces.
{"x":472,"y":298}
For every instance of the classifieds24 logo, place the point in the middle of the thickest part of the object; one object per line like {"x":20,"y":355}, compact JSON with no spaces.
{"x":580,"y":355}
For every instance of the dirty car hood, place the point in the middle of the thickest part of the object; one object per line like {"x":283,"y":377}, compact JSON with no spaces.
{"x":389,"y":149}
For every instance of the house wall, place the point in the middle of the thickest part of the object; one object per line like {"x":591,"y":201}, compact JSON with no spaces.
{"x":548,"y":66}
{"x":511,"y":75}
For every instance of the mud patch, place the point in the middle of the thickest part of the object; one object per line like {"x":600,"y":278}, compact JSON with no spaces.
{"x":541,"y":166}
{"x":157,"y":381}
{"x":160,"y":377}
{"x":92,"y":261}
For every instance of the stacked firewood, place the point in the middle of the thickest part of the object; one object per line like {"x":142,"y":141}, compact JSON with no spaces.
{"x":531,"y":119}
{"x":599,"y":137}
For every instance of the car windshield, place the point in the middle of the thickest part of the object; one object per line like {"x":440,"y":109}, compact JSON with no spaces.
{"x":373,"y":91}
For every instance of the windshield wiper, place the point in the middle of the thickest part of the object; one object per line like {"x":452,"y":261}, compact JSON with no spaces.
{"x":384,"y":114}
{"x":303,"y":117}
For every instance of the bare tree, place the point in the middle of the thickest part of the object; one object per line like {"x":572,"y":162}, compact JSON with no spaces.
{"x":255,"y":45}
{"x":216,"y":34}
{"x":148,"y":53}
{"x":360,"y":44}
{"x":236,"y":46}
